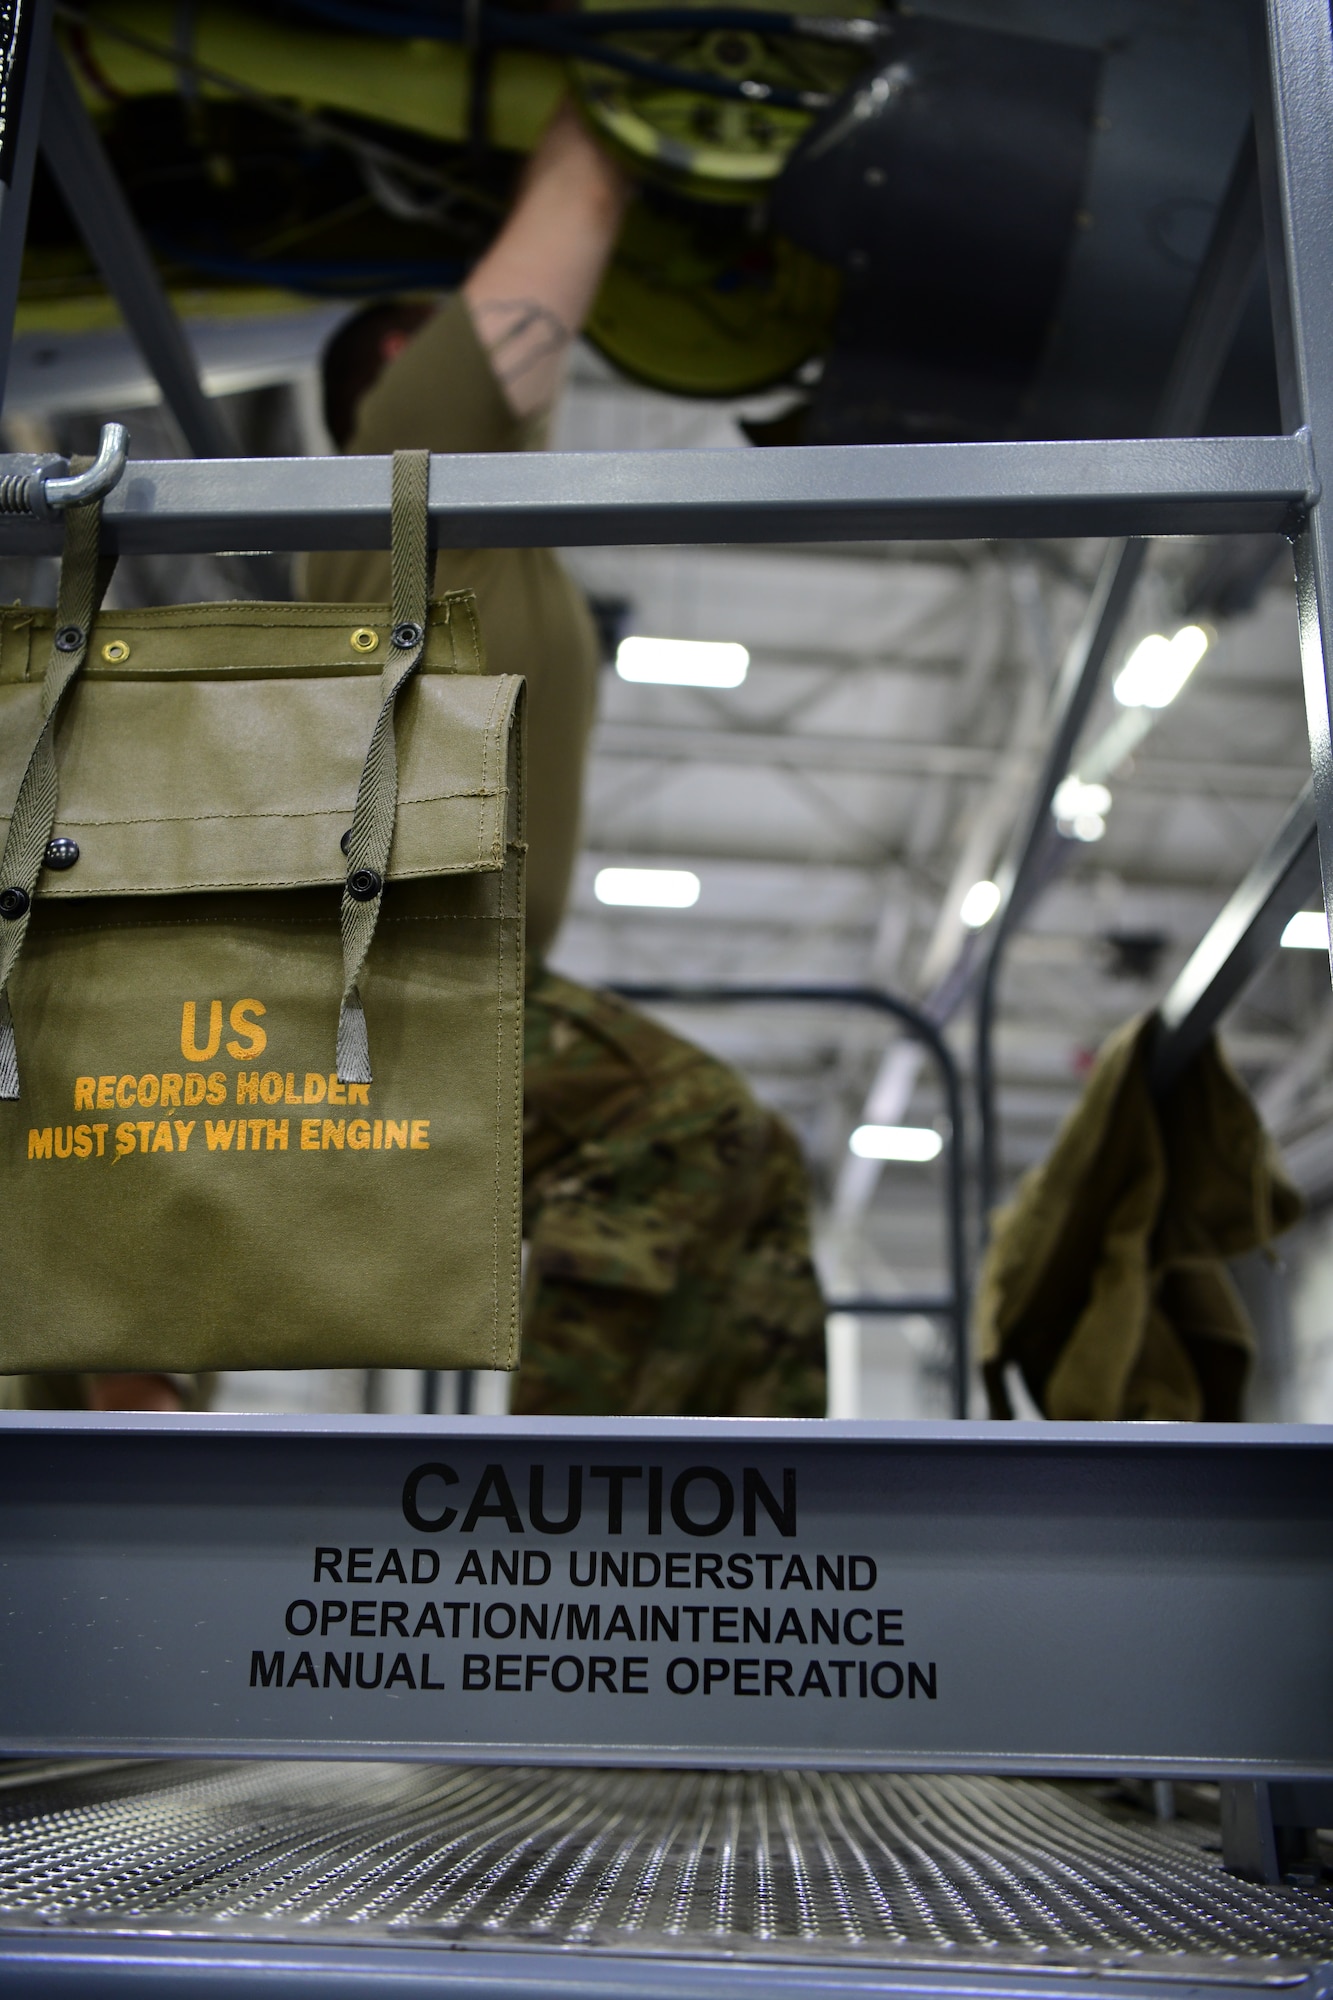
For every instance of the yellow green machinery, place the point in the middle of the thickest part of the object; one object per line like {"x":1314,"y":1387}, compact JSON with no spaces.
{"x":949,"y":219}
{"x":327,"y":148}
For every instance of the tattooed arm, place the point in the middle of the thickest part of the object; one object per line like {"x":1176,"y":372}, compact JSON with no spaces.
{"x":530,"y":294}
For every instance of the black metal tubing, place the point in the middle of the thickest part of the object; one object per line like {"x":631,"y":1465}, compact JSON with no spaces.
{"x":430,"y":1392}
{"x":1239,"y":943}
{"x":1219,"y":298}
{"x":952,"y":1305}
{"x":900,"y":1305}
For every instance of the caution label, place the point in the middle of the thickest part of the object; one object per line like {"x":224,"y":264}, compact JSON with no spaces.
{"x":647,"y":1612}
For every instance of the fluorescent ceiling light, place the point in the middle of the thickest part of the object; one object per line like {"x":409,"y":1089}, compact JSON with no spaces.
{"x":700,"y":663}
{"x":1307,"y":931}
{"x":980,"y":904}
{"x":647,"y":888}
{"x":896,"y":1142}
{"x":1158,"y":668}
{"x":1080,"y":809}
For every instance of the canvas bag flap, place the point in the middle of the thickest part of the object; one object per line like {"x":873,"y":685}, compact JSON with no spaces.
{"x":174,"y":784}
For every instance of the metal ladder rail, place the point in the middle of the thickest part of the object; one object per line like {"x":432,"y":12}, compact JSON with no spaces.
{"x":951,"y":1305}
{"x":1239,"y":942}
{"x":1293,"y":104}
{"x":1223,"y":285}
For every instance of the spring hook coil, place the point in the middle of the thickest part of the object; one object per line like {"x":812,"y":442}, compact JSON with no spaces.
{"x":15,"y":493}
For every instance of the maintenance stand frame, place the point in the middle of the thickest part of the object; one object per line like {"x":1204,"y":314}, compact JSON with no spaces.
{"x":1044,"y":1599}
{"x":1077,"y":1598}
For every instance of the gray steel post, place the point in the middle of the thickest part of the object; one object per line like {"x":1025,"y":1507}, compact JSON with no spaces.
{"x":815,"y":493}
{"x":1249,"y":1837}
{"x":953,"y":1305}
{"x":97,"y":204}
{"x":1238,"y":943}
{"x":1295,"y":119}
{"x":1023,"y":874}
{"x":24,"y":60}
{"x":1268,"y":1829}
{"x":1220,"y":293}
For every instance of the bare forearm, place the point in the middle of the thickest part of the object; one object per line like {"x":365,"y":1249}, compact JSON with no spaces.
{"x":532,"y":291}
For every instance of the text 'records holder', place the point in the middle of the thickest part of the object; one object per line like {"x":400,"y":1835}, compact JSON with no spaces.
{"x":84,"y":576}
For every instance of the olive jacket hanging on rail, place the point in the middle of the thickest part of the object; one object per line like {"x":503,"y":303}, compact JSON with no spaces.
{"x":260,"y":988}
{"x":1106,"y":1281}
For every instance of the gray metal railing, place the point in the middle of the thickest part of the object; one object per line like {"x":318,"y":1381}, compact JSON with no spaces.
{"x":951,"y":1305}
{"x":1167,"y":484}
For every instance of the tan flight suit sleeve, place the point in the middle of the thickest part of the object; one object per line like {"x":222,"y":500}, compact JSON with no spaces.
{"x":440,"y":395}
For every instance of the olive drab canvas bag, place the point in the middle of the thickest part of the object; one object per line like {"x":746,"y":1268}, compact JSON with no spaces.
{"x":260,"y":984}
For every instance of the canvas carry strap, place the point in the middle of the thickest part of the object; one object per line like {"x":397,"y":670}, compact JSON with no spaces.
{"x":371,"y":836}
{"x":83,"y":582}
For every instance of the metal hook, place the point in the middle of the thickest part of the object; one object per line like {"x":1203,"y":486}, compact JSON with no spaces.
{"x":101,"y":476}
{"x":37,"y":486}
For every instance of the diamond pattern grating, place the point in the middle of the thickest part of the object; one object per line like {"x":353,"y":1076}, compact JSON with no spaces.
{"x":802,"y":1863}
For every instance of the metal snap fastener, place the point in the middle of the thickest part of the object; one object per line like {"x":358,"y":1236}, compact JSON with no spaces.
{"x":114,"y":651}
{"x":14,"y":902}
{"x":364,"y":640}
{"x":61,"y":853}
{"x":69,"y":639}
{"x":406,"y":636}
{"x":346,"y":841}
{"x":363,"y":885}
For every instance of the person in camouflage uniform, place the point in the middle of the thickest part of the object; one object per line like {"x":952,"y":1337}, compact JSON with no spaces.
{"x":667,"y":1213}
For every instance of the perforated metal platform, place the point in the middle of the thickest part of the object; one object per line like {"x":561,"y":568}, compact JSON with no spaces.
{"x":898,"y":1869}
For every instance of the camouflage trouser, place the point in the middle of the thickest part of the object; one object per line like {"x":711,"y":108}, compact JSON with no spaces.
{"x":666,"y":1213}
{"x":667,"y":1219}
{"x":70,"y":1392}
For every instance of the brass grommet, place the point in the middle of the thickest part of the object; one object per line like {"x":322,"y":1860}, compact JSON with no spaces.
{"x":114,"y":651}
{"x":364,"y":640}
